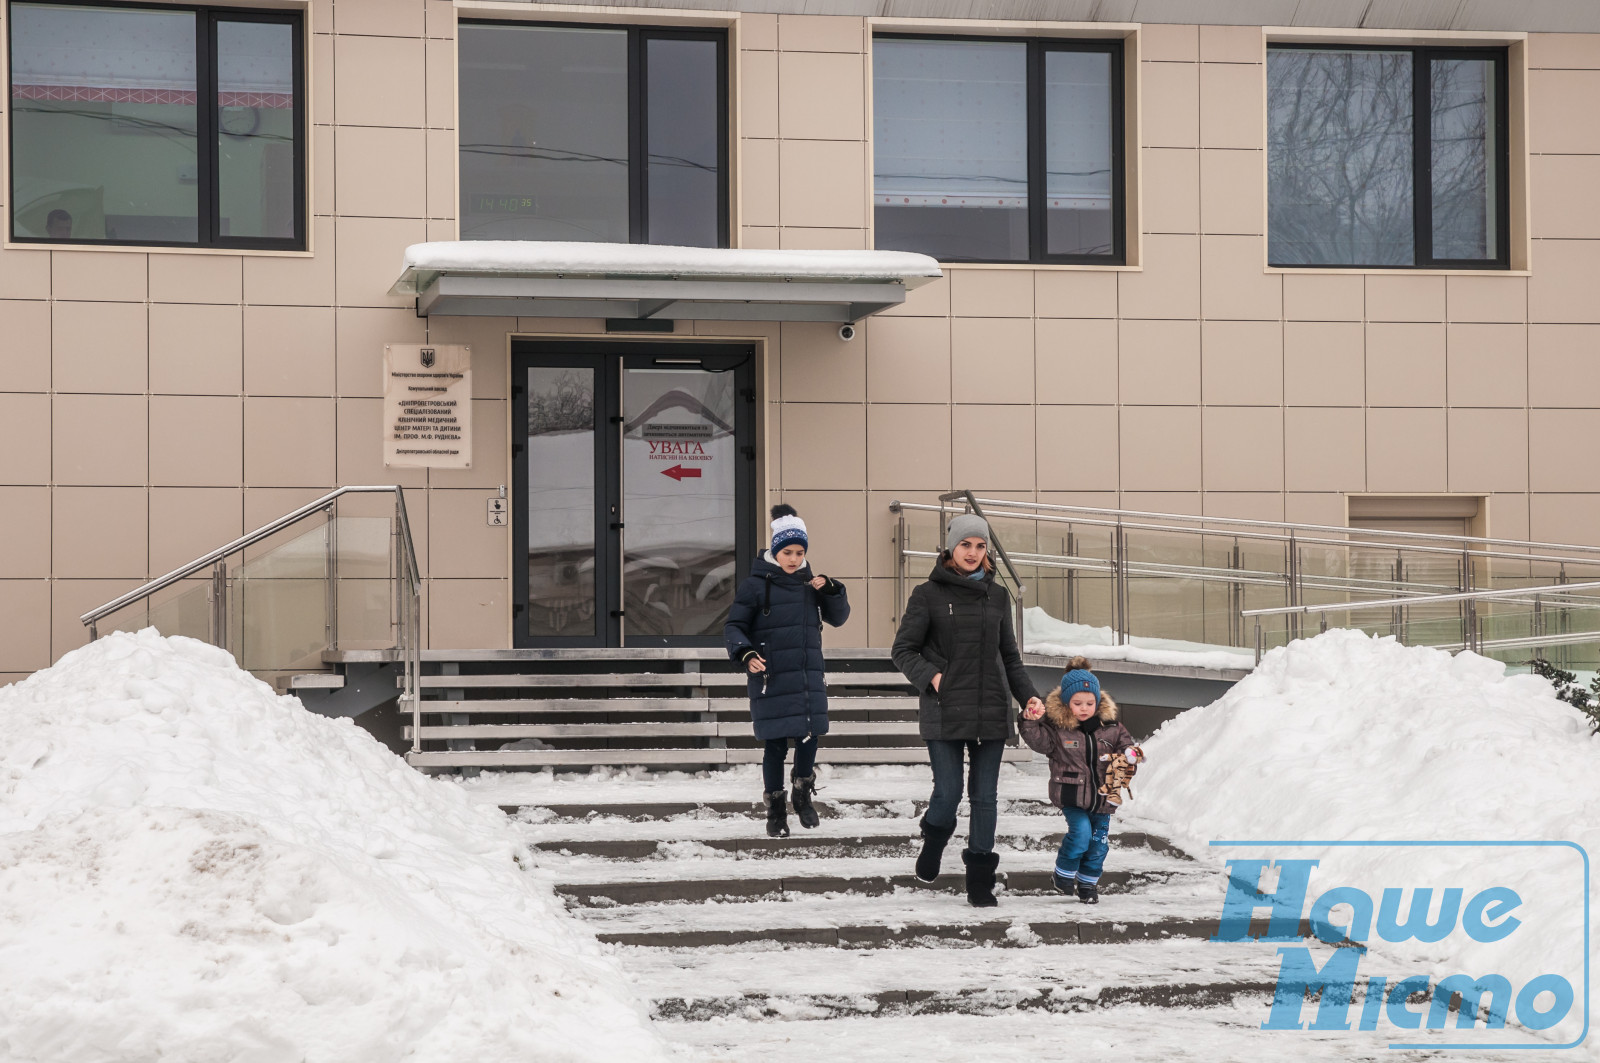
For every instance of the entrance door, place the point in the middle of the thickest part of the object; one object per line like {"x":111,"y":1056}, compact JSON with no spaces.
{"x":634,"y":466}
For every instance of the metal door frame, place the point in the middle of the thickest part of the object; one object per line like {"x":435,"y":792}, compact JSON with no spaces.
{"x":608,"y":358}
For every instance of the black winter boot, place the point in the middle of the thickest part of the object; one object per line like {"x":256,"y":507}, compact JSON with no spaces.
{"x":777,"y":814}
{"x":804,"y":787}
{"x":980,"y":878}
{"x":933,"y":843}
{"x":1088,"y":893}
{"x":1062,"y":883}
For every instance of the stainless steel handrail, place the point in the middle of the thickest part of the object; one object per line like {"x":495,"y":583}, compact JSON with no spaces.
{"x":408,"y":588}
{"x":1192,"y":518}
{"x":246,"y":540}
{"x":1344,"y":542}
{"x":1400,"y":592}
{"x":1474,"y":640}
{"x":1555,"y":591}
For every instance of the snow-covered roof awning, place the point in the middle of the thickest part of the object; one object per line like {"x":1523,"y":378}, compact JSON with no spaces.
{"x":532,"y":278}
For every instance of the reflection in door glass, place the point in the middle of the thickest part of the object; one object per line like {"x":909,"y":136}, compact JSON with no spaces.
{"x":561,"y":503}
{"x":678,"y":453}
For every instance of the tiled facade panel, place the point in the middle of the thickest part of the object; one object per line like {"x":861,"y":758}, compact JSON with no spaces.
{"x":153,"y":405}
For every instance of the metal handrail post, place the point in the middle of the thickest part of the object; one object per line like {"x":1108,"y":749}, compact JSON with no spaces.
{"x":1293,"y":575}
{"x":1258,"y":640}
{"x":1072,"y":585}
{"x":214,"y":621}
{"x":1120,"y":596}
{"x":330,"y":569}
{"x":901,"y":560}
{"x":220,"y":574}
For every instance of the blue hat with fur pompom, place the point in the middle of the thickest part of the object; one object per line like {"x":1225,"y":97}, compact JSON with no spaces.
{"x":1077,"y":681}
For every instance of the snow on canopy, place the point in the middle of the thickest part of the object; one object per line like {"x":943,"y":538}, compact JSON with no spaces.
{"x":1343,"y":738}
{"x":577,"y":258}
{"x":196,"y":869}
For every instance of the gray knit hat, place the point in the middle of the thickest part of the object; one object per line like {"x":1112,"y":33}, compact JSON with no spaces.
{"x":966,"y":526}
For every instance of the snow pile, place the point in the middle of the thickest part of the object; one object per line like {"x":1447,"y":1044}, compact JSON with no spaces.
{"x":1345,"y":737}
{"x":1043,"y":633}
{"x":194,"y":869}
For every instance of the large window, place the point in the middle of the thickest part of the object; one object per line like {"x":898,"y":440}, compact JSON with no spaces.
{"x":593,"y":133}
{"x":998,"y":150}
{"x":1388,"y":157}
{"x":157,"y":126}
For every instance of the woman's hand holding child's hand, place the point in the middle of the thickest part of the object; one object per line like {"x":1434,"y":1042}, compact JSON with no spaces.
{"x":1033,"y":710}
{"x":757,"y":665}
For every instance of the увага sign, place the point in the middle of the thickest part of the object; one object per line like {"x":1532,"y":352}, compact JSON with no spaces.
{"x":1454,"y":920}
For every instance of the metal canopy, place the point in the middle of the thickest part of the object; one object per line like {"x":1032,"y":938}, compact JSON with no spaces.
{"x":641,"y":282}
{"x":671,"y":300}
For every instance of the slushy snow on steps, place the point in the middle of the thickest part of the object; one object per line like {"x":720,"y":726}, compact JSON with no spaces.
{"x":194,"y":869}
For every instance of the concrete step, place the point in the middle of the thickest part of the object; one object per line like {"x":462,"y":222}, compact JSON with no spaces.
{"x":892,"y":1003}
{"x":640,"y":680}
{"x":882,"y":703}
{"x":828,"y":808}
{"x":999,"y":931}
{"x":819,"y":843}
{"x":610,"y":894}
{"x":508,"y":732}
{"x":686,"y":758}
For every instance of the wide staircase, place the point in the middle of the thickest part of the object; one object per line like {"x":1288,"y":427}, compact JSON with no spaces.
{"x":824,"y":944}
{"x":665,"y":708}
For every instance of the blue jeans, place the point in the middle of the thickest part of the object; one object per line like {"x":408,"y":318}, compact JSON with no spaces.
{"x":982,"y":784}
{"x":1083,"y":850}
{"x":805,"y":758}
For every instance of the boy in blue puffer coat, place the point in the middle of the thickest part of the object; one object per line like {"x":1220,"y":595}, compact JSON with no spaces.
{"x":775,"y":630}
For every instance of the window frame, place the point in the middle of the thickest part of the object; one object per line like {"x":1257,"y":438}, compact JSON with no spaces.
{"x":1422,"y":57}
{"x":638,"y":114}
{"x":1038,"y":217}
{"x":207,"y":150}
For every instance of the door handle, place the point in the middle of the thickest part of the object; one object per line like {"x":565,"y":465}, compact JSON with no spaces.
{"x":616,"y":525}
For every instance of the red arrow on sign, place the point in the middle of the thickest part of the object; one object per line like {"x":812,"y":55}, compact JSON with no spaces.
{"x":678,"y":472}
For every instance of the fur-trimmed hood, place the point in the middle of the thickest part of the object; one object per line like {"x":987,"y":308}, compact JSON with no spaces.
{"x":1057,"y":713}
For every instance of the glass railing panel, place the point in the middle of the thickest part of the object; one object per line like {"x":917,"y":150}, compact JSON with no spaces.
{"x":278,"y":604}
{"x":183,"y":609}
{"x":1070,"y":595}
{"x":364,"y":561}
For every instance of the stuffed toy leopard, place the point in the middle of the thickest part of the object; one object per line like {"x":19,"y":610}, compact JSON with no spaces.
{"x":1119,"y":773}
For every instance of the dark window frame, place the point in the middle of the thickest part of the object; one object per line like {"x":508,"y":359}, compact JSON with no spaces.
{"x":638,"y":131}
{"x":1037,"y":133}
{"x":207,"y":150}
{"x":1422,"y":57}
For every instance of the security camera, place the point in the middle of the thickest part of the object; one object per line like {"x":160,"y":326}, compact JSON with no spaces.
{"x":847,"y":332}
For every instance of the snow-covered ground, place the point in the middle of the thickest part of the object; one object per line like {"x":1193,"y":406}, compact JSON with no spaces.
{"x":1345,"y":739}
{"x":195,"y":869}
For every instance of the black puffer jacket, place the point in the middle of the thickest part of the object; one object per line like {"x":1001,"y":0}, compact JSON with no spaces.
{"x":963,"y":628}
{"x":780,"y":617}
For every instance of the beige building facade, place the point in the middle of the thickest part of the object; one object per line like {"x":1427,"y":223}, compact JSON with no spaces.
{"x":158,"y":401}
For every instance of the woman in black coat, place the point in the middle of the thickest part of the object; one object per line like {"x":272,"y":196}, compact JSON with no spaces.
{"x":957,"y":645}
{"x":775,"y":630}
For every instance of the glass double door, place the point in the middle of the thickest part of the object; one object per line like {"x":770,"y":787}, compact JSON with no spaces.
{"x":634,"y":466}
